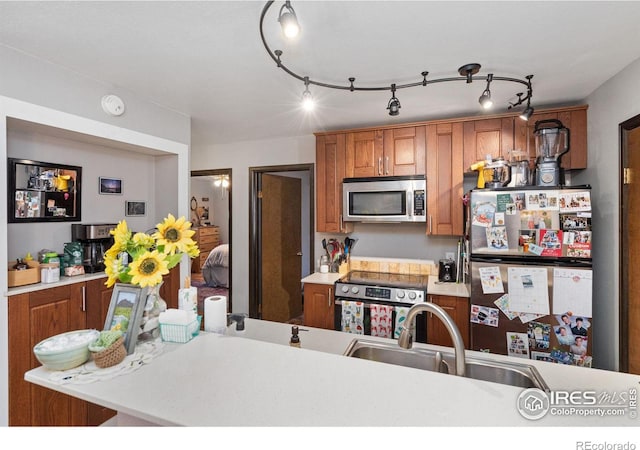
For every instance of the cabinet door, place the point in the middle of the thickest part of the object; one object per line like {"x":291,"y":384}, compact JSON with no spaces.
{"x":32,"y":318}
{"x":444,"y":179}
{"x":487,"y":137}
{"x":458,"y":309}
{"x":574,"y":119}
{"x":330,"y":170}
{"x":319,"y":306}
{"x":364,"y":154}
{"x":404,"y":151}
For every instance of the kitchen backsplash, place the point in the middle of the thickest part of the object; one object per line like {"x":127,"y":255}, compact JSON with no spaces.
{"x":393,"y":265}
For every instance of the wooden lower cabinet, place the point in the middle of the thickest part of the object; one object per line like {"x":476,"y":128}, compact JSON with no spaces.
{"x":319,"y":306}
{"x":458,"y":309}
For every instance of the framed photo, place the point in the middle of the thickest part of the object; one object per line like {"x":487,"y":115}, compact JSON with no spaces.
{"x":110,"y":186}
{"x":125,"y":312}
{"x":135,"y":208}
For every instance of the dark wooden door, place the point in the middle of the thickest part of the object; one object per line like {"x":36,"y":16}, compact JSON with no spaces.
{"x":281,"y":248}
{"x":630,"y":248}
{"x":458,"y":310}
{"x":319,"y":306}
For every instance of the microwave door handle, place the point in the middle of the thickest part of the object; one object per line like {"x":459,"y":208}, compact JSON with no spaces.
{"x":410,"y":205}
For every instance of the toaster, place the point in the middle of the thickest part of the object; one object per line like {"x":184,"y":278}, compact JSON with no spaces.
{"x":447,"y":271}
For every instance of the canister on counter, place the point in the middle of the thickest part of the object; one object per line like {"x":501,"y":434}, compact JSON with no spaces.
{"x":50,"y":272}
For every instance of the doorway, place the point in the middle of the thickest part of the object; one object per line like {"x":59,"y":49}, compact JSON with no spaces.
{"x":630,"y":245}
{"x":281,"y":237}
{"x":211,"y":204}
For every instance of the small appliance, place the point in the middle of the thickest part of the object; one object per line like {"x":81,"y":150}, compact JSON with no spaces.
{"x":447,"y":271}
{"x":385,"y":199}
{"x":497,"y":173}
{"x":96,"y":240}
{"x":551,"y":141}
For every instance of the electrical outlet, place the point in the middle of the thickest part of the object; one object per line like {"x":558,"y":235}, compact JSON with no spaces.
{"x":449,"y":255}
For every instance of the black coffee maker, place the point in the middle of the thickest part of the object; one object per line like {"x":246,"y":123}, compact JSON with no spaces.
{"x":96,"y":240}
{"x":447,"y":271}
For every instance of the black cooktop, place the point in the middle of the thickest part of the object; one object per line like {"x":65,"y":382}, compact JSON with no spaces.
{"x":386,"y":279}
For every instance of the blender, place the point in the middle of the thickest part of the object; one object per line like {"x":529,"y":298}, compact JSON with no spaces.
{"x":551,"y":141}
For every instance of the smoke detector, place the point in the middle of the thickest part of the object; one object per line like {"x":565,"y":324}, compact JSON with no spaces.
{"x":113,"y":105}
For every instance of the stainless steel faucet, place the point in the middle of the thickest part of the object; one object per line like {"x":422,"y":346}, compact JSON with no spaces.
{"x":405,"y":340}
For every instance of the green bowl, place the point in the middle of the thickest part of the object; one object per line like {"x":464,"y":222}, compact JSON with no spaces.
{"x":65,"y":351}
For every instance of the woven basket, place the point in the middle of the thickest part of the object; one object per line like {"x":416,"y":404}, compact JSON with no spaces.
{"x":112,"y":355}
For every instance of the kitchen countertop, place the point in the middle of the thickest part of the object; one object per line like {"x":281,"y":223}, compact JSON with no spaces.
{"x":63,"y":281}
{"x":254,"y":378}
{"x":322,"y":278}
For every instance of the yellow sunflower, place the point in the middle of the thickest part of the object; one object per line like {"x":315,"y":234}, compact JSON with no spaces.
{"x":113,"y":268}
{"x":148,"y":269}
{"x":143,"y":240}
{"x":174,"y":235}
{"x":121,"y":233}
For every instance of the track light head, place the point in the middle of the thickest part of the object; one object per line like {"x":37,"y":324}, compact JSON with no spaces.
{"x":308,"y":103}
{"x":288,"y":21}
{"x":485,"y":99}
{"x":527,"y":113}
{"x":394,"y":103}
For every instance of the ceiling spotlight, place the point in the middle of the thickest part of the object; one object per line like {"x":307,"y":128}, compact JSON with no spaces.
{"x":394,"y":103}
{"x":288,"y":20}
{"x":308,"y":103}
{"x":527,"y":113}
{"x":485,"y":98}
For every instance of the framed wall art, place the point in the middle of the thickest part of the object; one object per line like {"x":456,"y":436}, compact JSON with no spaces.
{"x":125,"y":312}
{"x":110,"y":186}
{"x":135,"y":208}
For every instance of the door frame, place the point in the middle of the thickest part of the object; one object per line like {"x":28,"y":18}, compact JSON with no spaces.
{"x":213,"y":172}
{"x":623,"y":286}
{"x":255,"y":227}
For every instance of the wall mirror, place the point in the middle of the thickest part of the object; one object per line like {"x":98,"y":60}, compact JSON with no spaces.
{"x":43,"y":192}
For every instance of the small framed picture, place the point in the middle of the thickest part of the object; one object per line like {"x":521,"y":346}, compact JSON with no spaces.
{"x":125,"y":312}
{"x":135,"y":208}
{"x":110,"y":186}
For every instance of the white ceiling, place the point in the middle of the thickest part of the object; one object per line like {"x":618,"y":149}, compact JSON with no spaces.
{"x":206,"y":59}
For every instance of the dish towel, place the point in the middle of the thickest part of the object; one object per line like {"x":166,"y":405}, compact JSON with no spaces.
{"x":352,"y":317}
{"x":401,"y":316}
{"x":381,"y":321}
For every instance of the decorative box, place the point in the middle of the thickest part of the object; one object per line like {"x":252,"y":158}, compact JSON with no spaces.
{"x":23,"y":277}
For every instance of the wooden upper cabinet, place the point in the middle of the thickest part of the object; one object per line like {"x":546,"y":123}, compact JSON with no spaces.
{"x":404,"y":151}
{"x":487,"y":137}
{"x":575,"y":119}
{"x":330,"y":170}
{"x":444,"y":179}
{"x":398,"y":151}
{"x":364,"y":157}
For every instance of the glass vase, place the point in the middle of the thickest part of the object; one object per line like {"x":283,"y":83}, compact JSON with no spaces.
{"x":155,"y":304}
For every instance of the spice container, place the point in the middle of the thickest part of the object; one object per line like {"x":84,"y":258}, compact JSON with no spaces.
{"x":50,"y":272}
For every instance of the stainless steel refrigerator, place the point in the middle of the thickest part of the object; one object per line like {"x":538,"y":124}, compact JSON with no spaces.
{"x":530,"y":272}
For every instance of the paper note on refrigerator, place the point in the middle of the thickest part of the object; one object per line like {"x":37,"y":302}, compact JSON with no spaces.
{"x":491,"y":280}
{"x":528,"y":290}
{"x":572,"y":290}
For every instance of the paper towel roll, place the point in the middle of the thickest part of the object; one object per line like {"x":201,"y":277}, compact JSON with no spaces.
{"x":215,"y":314}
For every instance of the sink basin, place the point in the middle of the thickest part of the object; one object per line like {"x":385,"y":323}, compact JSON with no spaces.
{"x":509,"y":373}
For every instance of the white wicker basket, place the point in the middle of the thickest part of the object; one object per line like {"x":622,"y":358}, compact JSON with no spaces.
{"x":180,"y":333}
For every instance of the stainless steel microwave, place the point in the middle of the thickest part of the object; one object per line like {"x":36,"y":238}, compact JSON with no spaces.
{"x":385,"y":199}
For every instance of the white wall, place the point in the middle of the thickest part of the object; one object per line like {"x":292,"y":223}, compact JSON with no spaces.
{"x":615,"y":101}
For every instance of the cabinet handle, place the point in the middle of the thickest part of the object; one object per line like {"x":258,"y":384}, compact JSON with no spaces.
{"x":330,"y":295}
{"x":340,"y":225}
{"x":84,"y":300}
{"x":430,"y":229}
{"x":386,"y":165}
{"x":380,"y":166}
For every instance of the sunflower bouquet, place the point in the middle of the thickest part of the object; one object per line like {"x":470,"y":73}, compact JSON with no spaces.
{"x":142,"y":259}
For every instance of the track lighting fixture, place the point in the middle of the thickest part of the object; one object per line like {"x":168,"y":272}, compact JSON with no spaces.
{"x":485,"y":98}
{"x":307,"y":99}
{"x":289,"y":22}
{"x":394,"y":103}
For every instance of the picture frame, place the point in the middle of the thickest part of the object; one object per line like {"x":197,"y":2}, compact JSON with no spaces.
{"x":135,"y":208}
{"x":109,"y":186}
{"x":125,"y":310}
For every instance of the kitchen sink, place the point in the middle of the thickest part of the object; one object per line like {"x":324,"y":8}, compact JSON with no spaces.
{"x":509,"y":373}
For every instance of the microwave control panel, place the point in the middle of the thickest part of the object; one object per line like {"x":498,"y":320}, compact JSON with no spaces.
{"x":418,"y":202}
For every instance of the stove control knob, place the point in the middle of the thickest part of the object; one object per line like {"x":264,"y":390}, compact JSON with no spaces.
{"x":345,"y":289}
{"x":355,"y":290}
{"x":400,"y":294}
{"x":412,"y":295}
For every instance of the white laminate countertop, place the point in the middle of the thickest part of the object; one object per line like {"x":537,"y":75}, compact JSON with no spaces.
{"x":63,"y":281}
{"x":254,"y":378}
{"x":322,"y":278}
